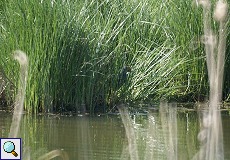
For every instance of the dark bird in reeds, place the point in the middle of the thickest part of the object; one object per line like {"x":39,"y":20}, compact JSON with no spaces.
{"x":123,"y":76}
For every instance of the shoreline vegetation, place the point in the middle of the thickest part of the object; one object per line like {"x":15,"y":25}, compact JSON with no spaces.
{"x":77,"y":51}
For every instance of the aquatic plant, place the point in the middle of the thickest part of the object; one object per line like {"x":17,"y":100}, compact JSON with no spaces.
{"x":77,"y":49}
{"x":87,"y":46}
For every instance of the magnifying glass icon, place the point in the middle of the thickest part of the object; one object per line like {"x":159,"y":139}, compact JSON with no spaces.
{"x":9,"y":147}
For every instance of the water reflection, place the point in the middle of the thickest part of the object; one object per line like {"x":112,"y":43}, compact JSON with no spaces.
{"x":104,"y":137}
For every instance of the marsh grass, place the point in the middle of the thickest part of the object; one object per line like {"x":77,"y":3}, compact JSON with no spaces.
{"x":77,"y":50}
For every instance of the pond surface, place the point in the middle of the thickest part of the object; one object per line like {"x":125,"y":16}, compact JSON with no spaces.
{"x":104,"y":137}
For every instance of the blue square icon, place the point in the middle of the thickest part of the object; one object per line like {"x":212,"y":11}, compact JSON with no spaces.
{"x":11,"y":148}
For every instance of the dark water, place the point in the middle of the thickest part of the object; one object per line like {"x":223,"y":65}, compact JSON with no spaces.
{"x":104,"y":138}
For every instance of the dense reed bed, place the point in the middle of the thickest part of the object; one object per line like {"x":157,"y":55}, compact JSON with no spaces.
{"x":78,"y":49}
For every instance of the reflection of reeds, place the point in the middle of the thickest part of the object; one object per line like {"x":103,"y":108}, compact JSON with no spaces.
{"x":84,"y":139}
{"x":132,"y":146}
{"x":168,"y":114}
{"x":53,"y":154}
{"x":152,"y":135}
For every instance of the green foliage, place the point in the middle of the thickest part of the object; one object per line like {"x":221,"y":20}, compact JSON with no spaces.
{"x":77,"y":49}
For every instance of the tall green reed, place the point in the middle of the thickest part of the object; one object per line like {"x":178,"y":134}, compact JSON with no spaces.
{"x":77,"y":50}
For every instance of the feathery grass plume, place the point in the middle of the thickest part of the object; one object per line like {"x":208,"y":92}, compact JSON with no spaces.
{"x":220,"y":12}
{"x":211,"y":135}
{"x":220,"y":15}
{"x":22,"y":59}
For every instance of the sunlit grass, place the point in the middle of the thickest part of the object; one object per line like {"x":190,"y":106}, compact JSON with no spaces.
{"x":77,"y":50}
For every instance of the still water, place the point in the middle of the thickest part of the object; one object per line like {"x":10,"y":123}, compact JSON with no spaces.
{"x":104,"y":138}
